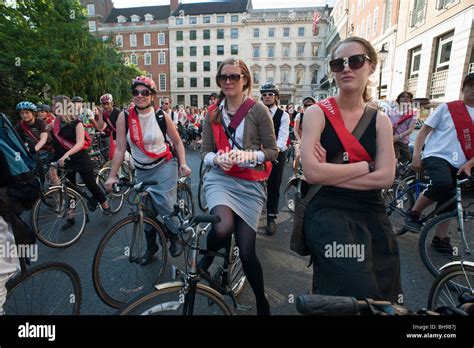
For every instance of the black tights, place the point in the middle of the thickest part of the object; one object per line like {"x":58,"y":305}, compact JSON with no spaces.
{"x":88,"y":178}
{"x":245,"y":240}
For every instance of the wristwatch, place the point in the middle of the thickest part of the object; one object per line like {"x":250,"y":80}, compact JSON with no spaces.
{"x":371,"y":167}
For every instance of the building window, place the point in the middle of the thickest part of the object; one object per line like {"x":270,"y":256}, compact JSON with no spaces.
{"x":234,"y":18}
{"x":256,"y":52}
{"x":270,"y":75}
{"x":193,"y":66}
{"x":105,"y":38}
{"x":301,"y":31}
{"x":147,"y":39}
{"x":206,"y":19}
{"x":161,"y":39}
{"x":119,"y":40}
{"x":134,"y":59}
{"x":315,"y":50}
{"x":415,"y":59}
{"x":135,"y":18}
{"x":286,"y":32}
{"x":180,"y":82}
{"x":205,"y":99}
{"x":234,"y":49}
{"x":271,"y":32}
{"x":256,"y":32}
{"x":388,"y":15}
{"x":234,"y":33}
{"x":179,"y":35}
{"x":220,"y":50}
{"x":192,"y":20}
{"x":192,"y":35}
{"x":180,"y":99}
{"x":299,"y":76}
{"x":147,"y":58}
{"x":179,"y":67}
{"x":271,"y":51}
{"x":285,"y":51}
{"x":220,"y":33}
{"x":300,"y":50}
{"x":179,"y":21}
{"x":121,"y":19}
{"x":256,"y":77}
{"x":285,"y":75}
{"x":206,"y":66}
{"x":206,"y":50}
{"x":149,"y":17}
{"x":443,"y":55}
{"x":206,"y":34}
{"x":218,"y":64}
{"x":133,"y":40}
{"x":92,"y":26}
{"x":194,"y":100}
{"x":91,"y":9}
{"x":443,"y":4}
{"x":417,"y":14}
{"x":314,"y":77}
{"x":220,"y":19}
{"x":179,"y":51}
{"x":162,"y":82}
{"x":161,"y":58}
{"x":207,"y":82}
{"x":192,"y":51}
{"x":193,"y":82}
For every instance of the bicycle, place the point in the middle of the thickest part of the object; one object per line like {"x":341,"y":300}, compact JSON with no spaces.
{"x":203,"y":169}
{"x":62,"y":203}
{"x":453,"y":285}
{"x":52,"y":288}
{"x":188,"y":296}
{"x":457,"y":224}
{"x":185,"y":197}
{"x":293,"y":186}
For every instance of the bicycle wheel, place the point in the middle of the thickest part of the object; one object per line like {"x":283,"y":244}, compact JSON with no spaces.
{"x":116,"y":273}
{"x":185,"y":202}
{"x":50,"y":216}
{"x":435,"y":255}
{"x":170,"y":300}
{"x":398,"y":199}
{"x":454,"y":280}
{"x":201,"y":196}
{"x":115,"y":199}
{"x":291,"y":191}
{"x":46,"y":289}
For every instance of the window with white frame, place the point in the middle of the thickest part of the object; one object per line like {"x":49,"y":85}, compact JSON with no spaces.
{"x":285,"y":50}
{"x":271,"y":51}
{"x":256,"y":51}
{"x":149,"y":17}
{"x":299,"y":76}
{"x":91,"y":9}
{"x":121,"y":19}
{"x":270,"y":72}
{"x":134,"y":59}
{"x":119,"y":40}
{"x":135,"y":18}
{"x":271,"y":32}
{"x":220,"y":19}
{"x":234,"y":33}
{"x":256,"y":77}
{"x":161,"y":39}
{"x":301,"y":31}
{"x":133,"y":40}
{"x":147,"y":58}
{"x":415,"y":59}
{"x":147,"y":39}
{"x":206,"y":19}
{"x":192,"y":20}
{"x":300,"y":50}
{"x":388,"y":15}
{"x":443,"y":54}
{"x":285,"y":76}
{"x":92,"y":26}
{"x":161,"y":58}
{"x":315,"y":50}
{"x":256,"y":32}
{"x":234,"y":18}
{"x":286,"y":32}
{"x":162,"y":82}
{"x":179,"y":21}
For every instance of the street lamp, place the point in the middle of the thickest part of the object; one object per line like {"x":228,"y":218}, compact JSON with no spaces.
{"x":382,"y":56}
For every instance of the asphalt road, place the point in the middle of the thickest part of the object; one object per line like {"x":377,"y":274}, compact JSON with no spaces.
{"x":285,"y":273}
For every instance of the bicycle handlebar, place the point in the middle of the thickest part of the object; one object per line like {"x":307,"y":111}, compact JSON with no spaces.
{"x":207,"y":219}
{"x":327,"y":305}
{"x":138,"y":186}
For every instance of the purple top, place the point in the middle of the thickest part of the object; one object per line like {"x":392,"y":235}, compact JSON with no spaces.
{"x":395,"y":114}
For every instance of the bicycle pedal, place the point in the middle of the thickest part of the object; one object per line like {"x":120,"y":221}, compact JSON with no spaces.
{"x":243,"y":308}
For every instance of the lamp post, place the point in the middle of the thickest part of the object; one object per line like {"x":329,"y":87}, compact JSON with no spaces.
{"x":382,"y":56}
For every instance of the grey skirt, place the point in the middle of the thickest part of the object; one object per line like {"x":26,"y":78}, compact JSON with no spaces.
{"x":245,"y":198}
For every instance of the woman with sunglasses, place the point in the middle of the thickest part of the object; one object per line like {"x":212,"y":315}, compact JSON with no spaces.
{"x":238,"y":143}
{"x":347,"y":230}
{"x":152,"y":158}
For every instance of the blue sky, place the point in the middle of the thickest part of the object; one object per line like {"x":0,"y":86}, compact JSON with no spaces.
{"x":256,"y":3}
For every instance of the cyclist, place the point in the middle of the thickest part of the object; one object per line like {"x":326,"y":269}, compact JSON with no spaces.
{"x":281,"y":124}
{"x":152,"y":157}
{"x":45,"y":114}
{"x":107,"y":122}
{"x":86,"y":116}
{"x":446,"y":136}
{"x":353,"y":248}
{"x":239,"y":154}
{"x":307,"y":102}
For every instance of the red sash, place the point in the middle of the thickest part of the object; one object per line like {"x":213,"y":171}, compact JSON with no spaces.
{"x":27,"y":130}
{"x":67,"y":144}
{"x":403,"y":119}
{"x":351,"y":145}
{"x":137,"y":138}
{"x":464,"y":126}
{"x":106,"y":118}
{"x":223,"y":146}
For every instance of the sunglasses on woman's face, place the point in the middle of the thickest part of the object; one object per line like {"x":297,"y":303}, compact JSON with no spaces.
{"x":231,"y":77}
{"x":143,"y":92}
{"x":354,"y":62}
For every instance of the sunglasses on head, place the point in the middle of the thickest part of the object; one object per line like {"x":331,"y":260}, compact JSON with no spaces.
{"x":143,"y":92}
{"x":231,"y":77}
{"x":269,"y":94}
{"x":355,"y":62}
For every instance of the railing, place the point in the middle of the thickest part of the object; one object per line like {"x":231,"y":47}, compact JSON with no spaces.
{"x":444,"y":4}
{"x":418,"y":14}
{"x":438,"y":84}
{"x":410,"y":85}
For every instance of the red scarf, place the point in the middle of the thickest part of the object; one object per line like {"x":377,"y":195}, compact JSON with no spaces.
{"x":65,"y":143}
{"x":464,"y":126}
{"x":223,"y":146}
{"x":137,"y":138}
{"x":26,"y":129}
{"x":106,"y":118}
{"x":351,"y":145}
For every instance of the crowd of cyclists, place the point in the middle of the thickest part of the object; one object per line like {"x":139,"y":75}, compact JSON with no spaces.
{"x":245,"y":142}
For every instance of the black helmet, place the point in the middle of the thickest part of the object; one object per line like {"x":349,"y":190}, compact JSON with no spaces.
{"x":269,"y":87}
{"x":77,"y":99}
{"x":43,"y":107}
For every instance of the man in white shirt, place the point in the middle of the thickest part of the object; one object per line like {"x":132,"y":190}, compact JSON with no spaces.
{"x":166,"y":107}
{"x":445,"y":155}
{"x":281,"y":122}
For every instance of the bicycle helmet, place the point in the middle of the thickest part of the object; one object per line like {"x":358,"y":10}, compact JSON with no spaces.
{"x":26,"y":105}
{"x":44,"y":107}
{"x":269,"y":87}
{"x":144,"y":81}
{"x":77,"y":99}
{"x":106,"y":98}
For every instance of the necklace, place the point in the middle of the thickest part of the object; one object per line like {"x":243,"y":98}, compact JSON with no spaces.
{"x":232,"y":113}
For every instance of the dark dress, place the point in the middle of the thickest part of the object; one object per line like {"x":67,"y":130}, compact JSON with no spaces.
{"x":354,"y":250}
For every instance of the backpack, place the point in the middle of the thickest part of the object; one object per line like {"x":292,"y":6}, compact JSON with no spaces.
{"x":24,"y":187}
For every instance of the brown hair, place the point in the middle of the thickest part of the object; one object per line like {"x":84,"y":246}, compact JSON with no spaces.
{"x":369,"y":50}
{"x":63,"y":108}
{"x":247,"y":87}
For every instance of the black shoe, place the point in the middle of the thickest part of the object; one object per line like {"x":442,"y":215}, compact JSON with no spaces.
{"x":271,"y":227}
{"x":442,"y":246}
{"x":69,"y":223}
{"x":107,"y":211}
{"x":151,"y":247}
{"x":412,"y":221}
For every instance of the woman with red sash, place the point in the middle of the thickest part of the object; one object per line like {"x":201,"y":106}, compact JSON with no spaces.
{"x":447,"y":152}
{"x":238,"y":143}
{"x":71,"y":143}
{"x":353,"y":248}
{"x":152,"y":158}
{"x":403,"y":119}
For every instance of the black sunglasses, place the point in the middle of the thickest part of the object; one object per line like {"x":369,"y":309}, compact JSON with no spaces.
{"x":232,"y":77}
{"x":143,"y":92}
{"x":355,"y":62}
{"x":269,"y":94}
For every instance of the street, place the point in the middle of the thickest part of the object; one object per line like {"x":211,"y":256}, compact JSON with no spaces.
{"x":285,"y":273}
